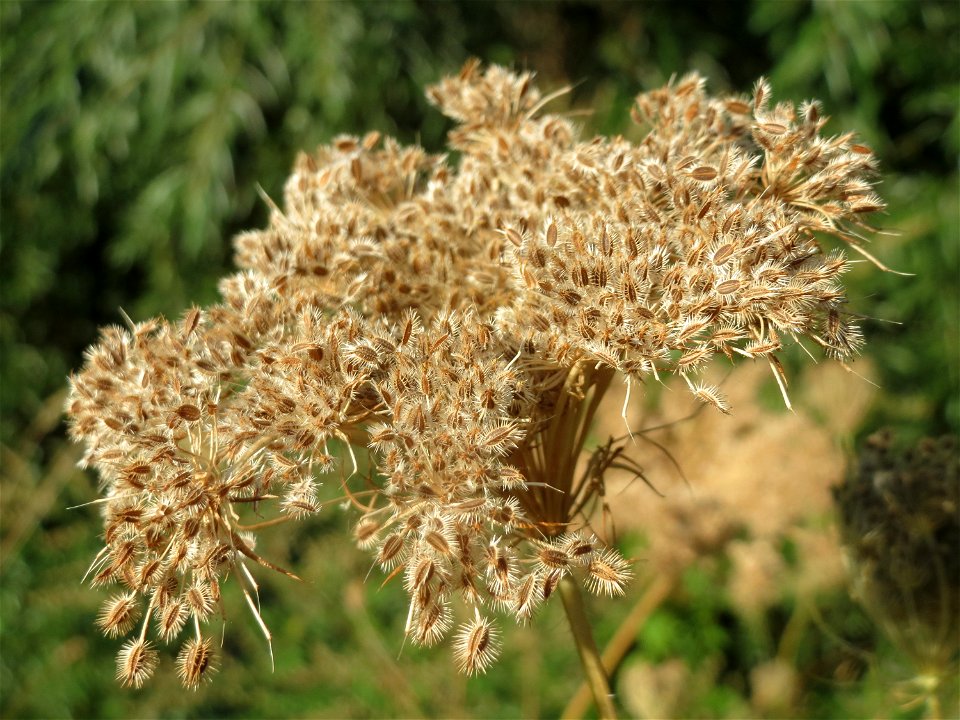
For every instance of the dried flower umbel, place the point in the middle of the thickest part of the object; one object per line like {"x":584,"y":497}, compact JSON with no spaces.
{"x":459,"y":324}
{"x":900,"y":519}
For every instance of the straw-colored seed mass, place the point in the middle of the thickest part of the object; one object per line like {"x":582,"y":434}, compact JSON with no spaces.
{"x":432,"y":341}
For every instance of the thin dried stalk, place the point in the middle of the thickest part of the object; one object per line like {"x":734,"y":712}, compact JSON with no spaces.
{"x":623,"y":639}
{"x":587,"y":648}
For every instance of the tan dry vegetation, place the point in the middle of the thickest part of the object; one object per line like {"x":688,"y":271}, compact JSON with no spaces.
{"x":763,"y":473}
{"x":458,"y":325}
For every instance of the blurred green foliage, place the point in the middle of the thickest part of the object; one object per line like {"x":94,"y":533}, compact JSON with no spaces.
{"x":133,"y":141}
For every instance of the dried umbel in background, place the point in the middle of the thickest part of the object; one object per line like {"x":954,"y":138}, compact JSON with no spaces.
{"x":456,"y":327}
{"x":900,"y":522}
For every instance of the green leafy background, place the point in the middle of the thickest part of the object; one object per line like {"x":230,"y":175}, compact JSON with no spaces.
{"x":133,"y":139}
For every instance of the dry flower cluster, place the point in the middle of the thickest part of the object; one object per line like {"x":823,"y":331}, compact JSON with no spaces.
{"x":458,"y":325}
{"x":900,"y":520}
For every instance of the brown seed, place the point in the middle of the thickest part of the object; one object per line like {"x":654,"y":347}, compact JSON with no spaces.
{"x":571,"y":297}
{"x":438,"y":542}
{"x":628,"y":289}
{"x":737,"y":107}
{"x":550,"y":583}
{"x":526,"y":597}
{"x":553,"y":558}
{"x":136,"y":663}
{"x":190,"y":413}
{"x":579,"y":275}
{"x":195,"y":661}
{"x":704,"y":173}
{"x":172,"y":619}
{"x":389,"y":551}
{"x":423,"y":573}
{"x":723,"y":254}
{"x":432,"y":624}
{"x":366,"y":531}
{"x":728,"y":287}
{"x":370,"y":140}
{"x":498,"y":436}
{"x":190,"y":322}
{"x":773,"y":128}
{"x":475,"y":646}
{"x":119,"y":614}
{"x":469,"y":506}
{"x":199,"y":598}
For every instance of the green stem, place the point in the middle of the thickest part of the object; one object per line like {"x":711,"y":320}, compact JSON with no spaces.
{"x":589,"y":655}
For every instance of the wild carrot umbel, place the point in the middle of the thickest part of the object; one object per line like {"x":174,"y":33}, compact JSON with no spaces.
{"x":900,"y":521}
{"x":459,"y":325}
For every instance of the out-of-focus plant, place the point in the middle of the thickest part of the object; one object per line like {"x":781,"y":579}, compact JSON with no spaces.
{"x":900,"y":518}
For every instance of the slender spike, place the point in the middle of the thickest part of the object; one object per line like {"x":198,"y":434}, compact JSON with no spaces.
{"x":263,"y":626}
{"x":246,"y":550}
{"x":781,"y":380}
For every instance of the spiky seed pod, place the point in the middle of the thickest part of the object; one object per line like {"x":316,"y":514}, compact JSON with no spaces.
{"x":553,"y":558}
{"x":391,"y":551}
{"x":579,"y":551}
{"x":195,"y":662}
{"x":432,"y":623}
{"x":527,"y":597}
{"x":172,"y":618}
{"x":136,"y":662}
{"x":476,"y":645}
{"x":608,"y":573}
{"x":119,"y":614}
{"x":200,"y":600}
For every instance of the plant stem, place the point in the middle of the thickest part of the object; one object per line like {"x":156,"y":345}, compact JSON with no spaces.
{"x":624,"y":638}
{"x":589,"y":655}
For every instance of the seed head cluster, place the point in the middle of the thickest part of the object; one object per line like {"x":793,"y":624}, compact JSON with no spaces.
{"x":900,"y":521}
{"x":436,"y":338}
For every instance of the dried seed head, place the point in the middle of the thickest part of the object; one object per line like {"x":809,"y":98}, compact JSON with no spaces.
{"x":195,"y":662}
{"x":136,"y":662}
{"x":119,"y":614}
{"x":476,"y":645}
{"x":899,"y":524}
{"x":172,"y":618}
{"x":459,"y":316}
{"x":199,"y":598}
{"x":608,"y":573}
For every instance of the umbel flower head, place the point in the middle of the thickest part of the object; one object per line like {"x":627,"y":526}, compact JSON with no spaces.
{"x":900,"y":519}
{"x":458,"y":325}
